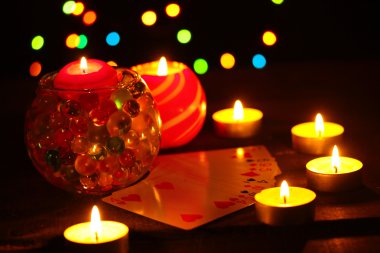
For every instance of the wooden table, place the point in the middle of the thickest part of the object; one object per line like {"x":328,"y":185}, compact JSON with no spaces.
{"x":33,"y":213}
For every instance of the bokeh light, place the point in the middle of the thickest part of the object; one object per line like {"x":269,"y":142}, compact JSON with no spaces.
{"x":112,"y":63}
{"x":259,"y":61}
{"x":269,"y":38}
{"x":149,"y":18}
{"x":172,"y":10}
{"x":113,"y":38}
{"x":227,"y":61}
{"x":37,"y":42}
{"x":89,"y":18}
{"x":82,"y":41}
{"x":68,"y":7}
{"x":277,"y":1}
{"x":35,"y":68}
{"x":72,"y":41}
{"x":200,"y":66}
{"x":184,"y":36}
{"x":79,"y":8}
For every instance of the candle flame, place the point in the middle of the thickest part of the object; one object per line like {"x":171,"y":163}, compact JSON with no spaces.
{"x":240,"y":153}
{"x":95,"y":225}
{"x":162,"y":69}
{"x":83,"y":65}
{"x":319,"y":126}
{"x":335,"y":159}
{"x":284,"y":191}
{"x":238,"y":110}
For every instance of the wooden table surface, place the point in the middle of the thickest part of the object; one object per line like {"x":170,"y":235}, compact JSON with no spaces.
{"x":33,"y":213}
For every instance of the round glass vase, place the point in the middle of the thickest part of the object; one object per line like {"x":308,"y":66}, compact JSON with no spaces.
{"x":93,"y":141}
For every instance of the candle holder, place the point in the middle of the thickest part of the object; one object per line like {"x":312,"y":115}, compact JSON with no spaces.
{"x":93,"y":141}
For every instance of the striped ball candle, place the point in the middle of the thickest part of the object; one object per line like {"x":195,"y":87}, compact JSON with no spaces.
{"x":180,"y":100}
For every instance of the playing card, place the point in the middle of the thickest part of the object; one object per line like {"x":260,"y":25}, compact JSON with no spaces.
{"x":190,"y":189}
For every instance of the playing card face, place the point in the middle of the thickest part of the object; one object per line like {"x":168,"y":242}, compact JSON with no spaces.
{"x":190,"y":189}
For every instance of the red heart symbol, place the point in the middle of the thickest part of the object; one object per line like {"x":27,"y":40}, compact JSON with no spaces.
{"x":191,"y":217}
{"x":132,"y":197}
{"x":250,"y":174}
{"x":165,"y":186}
{"x":223,"y":204}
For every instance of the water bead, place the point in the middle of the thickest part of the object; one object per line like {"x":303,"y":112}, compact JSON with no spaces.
{"x":131,"y":139}
{"x":137,"y":89}
{"x":63,"y":137}
{"x":68,"y":157}
{"x":85,"y":165}
{"x":108,"y":106}
{"x":80,"y":145}
{"x":141,"y":122}
{"x":70,"y":108}
{"x":89,"y":182}
{"x":89,"y":101}
{"x":97,"y":152}
{"x":131,"y":107}
{"x":52,"y":159}
{"x":79,"y":125}
{"x":105,"y":179}
{"x":57,"y":120}
{"x":109,"y":164}
{"x":120,"y":96}
{"x":119,"y":123}
{"x":115,"y":145}
{"x":146,"y":101}
{"x":45,"y":103}
{"x":41,"y":125}
{"x":99,"y":116}
{"x":127,"y":158}
{"x":97,"y":134}
{"x":69,"y":173}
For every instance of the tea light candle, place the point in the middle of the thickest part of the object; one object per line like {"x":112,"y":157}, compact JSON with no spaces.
{"x":86,"y":74}
{"x":97,"y":235}
{"x":180,"y":100}
{"x":237,"y":122}
{"x":316,"y":137}
{"x":281,"y":206}
{"x":334,"y":173}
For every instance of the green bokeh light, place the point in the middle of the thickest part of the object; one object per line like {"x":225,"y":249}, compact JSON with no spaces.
{"x":82,"y":41}
{"x":200,"y":66}
{"x":184,"y":36}
{"x":37,"y":42}
{"x":277,"y":1}
{"x":68,"y":7}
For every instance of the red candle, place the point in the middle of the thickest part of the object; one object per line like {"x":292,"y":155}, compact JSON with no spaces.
{"x":86,"y":74}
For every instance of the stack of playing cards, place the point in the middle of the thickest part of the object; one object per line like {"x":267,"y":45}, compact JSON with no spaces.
{"x":190,"y":189}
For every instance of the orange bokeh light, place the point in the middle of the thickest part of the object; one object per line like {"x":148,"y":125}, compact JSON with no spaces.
{"x":35,"y":68}
{"x":89,"y":17}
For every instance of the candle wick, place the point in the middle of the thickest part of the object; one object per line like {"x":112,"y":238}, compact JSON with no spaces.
{"x":336,"y":169}
{"x":84,"y":71}
{"x":96,"y":237}
{"x":319,"y":133}
{"x":284,"y":199}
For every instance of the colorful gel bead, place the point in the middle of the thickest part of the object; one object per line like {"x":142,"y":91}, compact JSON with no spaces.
{"x":108,"y":106}
{"x":99,"y":116}
{"x":69,"y":173}
{"x":131,"y":107}
{"x":85,"y":165}
{"x":120,"y":96}
{"x":119,"y":123}
{"x":131,"y":139}
{"x":52,"y":159}
{"x":67,"y":157}
{"x":137,"y":89}
{"x":80,"y":145}
{"x":109,"y":164}
{"x":115,"y":145}
{"x":97,"y":152}
{"x":70,"y":108}
{"x":63,"y":137}
{"x":127,"y":158}
{"x":89,"y":101}
{"x":105,"y":179}
{"x":97,"y":134}
{"x":57,"y":120}
{"x":79,"y":125}
{"x":89,"y":182}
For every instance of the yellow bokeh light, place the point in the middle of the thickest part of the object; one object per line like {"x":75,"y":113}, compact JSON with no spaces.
{"x":72,"y":41}
{"x":227,"y":61}
{"x":149,"y":18}
{"x":79,"y":8}
{"x":172,"y":10}
{"x":112,"y":63}
{"x":269,"y":38}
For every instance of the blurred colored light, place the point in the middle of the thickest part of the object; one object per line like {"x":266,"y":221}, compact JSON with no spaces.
{"x":259,"y":61}
{"x":72,"y":41}
{"x":184,"y":36}
{"x":82,"y":41}
{"x":112,"y":63}
{"x":149,"y":18}
{"x":113,"y":38}
{"x":227,"y":61}
{"x":89,"y":17}
{"x":68,"y":7}
{"x":172,"y":10}
{"x":37,"y":42}
{"x":35,"y":68}
{"x":277,"y":1}
{"x":269,"y":38}
{"x":200,"y":66}
{"x":79,"y":8}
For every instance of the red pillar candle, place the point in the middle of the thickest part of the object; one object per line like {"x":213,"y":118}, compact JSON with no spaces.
{"x":180,"y":99}
{"x":86,"y":74}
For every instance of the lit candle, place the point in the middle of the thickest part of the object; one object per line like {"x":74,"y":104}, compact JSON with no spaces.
{"x":334,"y":173}
{"x":97,"y":235}
{"x":180,"y":99}
{"x":280,"y":206}
{"x":86,"y":74}
{"x":237,"y":122}
{"x":316,"y":137}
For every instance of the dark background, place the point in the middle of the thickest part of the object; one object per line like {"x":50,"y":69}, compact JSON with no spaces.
{"x":306,"y":30}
